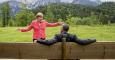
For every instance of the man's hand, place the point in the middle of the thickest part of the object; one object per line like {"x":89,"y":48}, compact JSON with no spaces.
{"x":35,"y":41}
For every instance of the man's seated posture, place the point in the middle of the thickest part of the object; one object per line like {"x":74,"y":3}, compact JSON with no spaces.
{"x":69,"y":38}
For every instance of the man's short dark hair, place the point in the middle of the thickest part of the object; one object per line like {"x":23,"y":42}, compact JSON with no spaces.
{"x":65,"y":27}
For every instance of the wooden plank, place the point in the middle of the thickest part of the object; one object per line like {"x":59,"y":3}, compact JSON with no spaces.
{"x":39,"y":51}
{"x":1,"y":50}
{"x":98,"y":50}
{"x":91,"y":51}
{"x":109,"y":50}
{"x":8,"y":50}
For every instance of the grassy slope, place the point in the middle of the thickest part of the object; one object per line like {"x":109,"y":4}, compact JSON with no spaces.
{"x":101,"y":33}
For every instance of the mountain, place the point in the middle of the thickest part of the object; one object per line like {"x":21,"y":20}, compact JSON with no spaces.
{"x":37,"y":3}
{"x":15,"y":6}
{"x":87,"y":2}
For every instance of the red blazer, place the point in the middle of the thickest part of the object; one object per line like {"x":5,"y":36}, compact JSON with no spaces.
{"x":39,"y":28}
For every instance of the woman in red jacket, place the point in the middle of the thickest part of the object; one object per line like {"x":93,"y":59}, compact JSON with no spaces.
{"x":39,"y":26}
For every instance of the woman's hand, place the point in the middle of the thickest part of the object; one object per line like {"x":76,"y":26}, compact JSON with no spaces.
{"x":18,"y":29}
{"x":60,"y":23}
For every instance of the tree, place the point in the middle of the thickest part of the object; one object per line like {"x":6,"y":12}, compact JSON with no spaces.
{"x":5,"y":10}
{"x":24,"y":18}
{"x":102,"y":14}
{"x":108,"y":11}
{"x":49,"y":15}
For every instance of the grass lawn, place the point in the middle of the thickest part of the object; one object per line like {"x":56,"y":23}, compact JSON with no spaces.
{"x":101,"y":33}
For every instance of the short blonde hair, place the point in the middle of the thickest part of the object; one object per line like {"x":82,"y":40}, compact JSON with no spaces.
{"x":39,"y":14}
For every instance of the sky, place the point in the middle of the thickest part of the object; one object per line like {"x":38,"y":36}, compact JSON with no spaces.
{"x":29,"y":1}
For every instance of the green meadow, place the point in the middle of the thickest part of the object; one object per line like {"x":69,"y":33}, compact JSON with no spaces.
{"x":101,"y":33}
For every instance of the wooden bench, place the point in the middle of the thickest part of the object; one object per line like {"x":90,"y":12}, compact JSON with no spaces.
{"x":98,"y":50}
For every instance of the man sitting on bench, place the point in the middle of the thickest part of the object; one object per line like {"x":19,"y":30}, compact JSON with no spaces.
{"x":69,"y":38}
